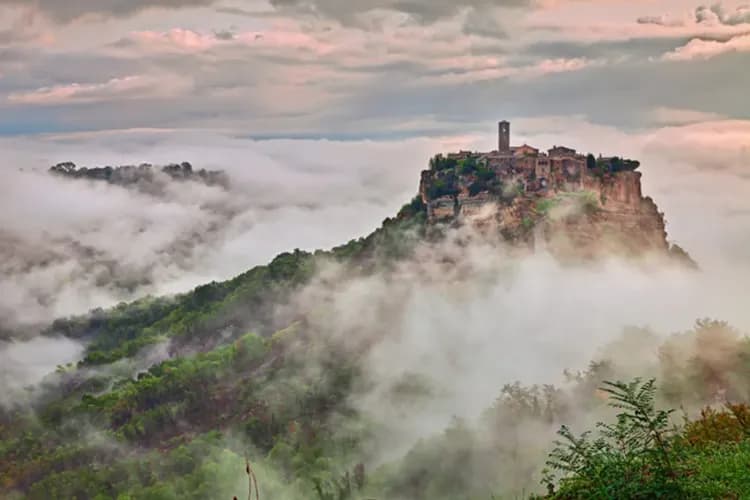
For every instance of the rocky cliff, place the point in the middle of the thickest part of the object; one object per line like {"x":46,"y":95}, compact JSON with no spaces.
{"x":594,"y":213}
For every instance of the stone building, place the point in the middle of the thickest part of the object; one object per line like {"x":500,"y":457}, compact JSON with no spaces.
{"x":561,"y":167}
{"x":503,"y":142}
{"x":523,"y":151}
{"x":561,"y":151}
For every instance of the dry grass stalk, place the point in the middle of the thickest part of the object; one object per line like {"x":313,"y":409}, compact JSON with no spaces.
{"x":252,"y":480}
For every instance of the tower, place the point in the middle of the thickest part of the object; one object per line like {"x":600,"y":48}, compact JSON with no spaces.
{"x":503,"y":144}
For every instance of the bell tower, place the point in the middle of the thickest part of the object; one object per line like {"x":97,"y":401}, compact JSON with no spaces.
{"x":503,"y":143}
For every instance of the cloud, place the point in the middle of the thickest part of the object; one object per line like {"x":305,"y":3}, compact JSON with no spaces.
{"x":663,"y":20}
{"x":714,"y":15}
{"x":560,"y":65}
{"x":129,"y":87}
{"x":189,"y":41}
{"x":677,"y":116}
{"x":707,"y":49}
{"x":71,"y":10}
{"x":590,"y":21}
{"x":303,"y":77}
{"x":422,"y":11}
{"x":68,"y":246}
{"x":714,"y":145}
{"x":494,"y":69}
{"x":26,"y":28}
{"x":717,"y":14}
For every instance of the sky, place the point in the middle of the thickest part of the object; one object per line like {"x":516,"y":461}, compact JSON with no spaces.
{"x":324,"y":112}
{"x":339,"y":69}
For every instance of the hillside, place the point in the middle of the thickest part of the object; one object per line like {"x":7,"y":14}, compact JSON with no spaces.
{"x":173,"y":392}
{"x":141,"y":175}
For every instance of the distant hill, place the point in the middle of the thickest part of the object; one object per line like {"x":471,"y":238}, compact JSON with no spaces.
{"x":141,"y":175}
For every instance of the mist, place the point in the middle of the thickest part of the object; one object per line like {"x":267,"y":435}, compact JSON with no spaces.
{"x":468,"y":318}
{"x":461,"y":319}
{"x":24,"y":364}
{"x":69,"y":245}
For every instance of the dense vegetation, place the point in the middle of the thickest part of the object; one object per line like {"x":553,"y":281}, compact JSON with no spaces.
{"x":640,"y":455}
{"x":234,"y":306}
{"x":139,"y":175}
{"x":450,"y":172}
{"x":172,"y":392}
{"x":603,"y":166}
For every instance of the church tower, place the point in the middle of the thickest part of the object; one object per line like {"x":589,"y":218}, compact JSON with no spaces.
{"x":503,"y":144}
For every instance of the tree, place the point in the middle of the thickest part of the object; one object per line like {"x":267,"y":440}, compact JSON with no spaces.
{"x":590,"y":161}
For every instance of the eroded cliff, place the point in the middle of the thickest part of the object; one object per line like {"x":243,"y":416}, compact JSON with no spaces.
{"x":578,"y":212}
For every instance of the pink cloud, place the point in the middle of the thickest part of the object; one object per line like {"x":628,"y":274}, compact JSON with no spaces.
{"x":183,"y":40}
{"x":595,"y":20}
{"x":718,"y":145}
{"x":495,"y":69}
{"x":706,"y":49}
{"x":126,"y":87}
{"x":679,"y":116}
{"x":560,"y":65}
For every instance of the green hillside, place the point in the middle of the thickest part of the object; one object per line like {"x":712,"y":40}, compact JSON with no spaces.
{"x":174,"y":393}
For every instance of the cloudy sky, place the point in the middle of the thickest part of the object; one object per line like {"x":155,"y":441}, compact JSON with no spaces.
{"x":324,"y":112}
{"x":366,"y":68}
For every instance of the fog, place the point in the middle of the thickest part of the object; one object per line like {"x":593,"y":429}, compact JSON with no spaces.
{"x":469,"y":318}
{"x":67,"y":245}
{"x":465,"y":318}
{"x":23,"y":364}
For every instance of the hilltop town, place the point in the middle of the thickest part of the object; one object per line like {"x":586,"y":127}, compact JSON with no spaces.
{"x":572,"y":203}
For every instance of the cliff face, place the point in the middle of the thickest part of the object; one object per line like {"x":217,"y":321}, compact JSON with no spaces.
{"x":595,"y":214}
{"x":616,"y":218}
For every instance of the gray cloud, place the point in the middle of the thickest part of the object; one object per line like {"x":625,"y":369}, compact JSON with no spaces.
{"x":423,"y":11}
{"x":740,"y":15}
{"x":70,"y":10}
{"x":715,"y":13}
{"x":354,"y":86}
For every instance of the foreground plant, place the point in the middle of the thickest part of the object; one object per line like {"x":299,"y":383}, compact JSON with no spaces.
{"x":631,"y":458}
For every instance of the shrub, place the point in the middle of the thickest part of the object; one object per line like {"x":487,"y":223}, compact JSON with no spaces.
{"x":629,"y":459}
{"x":413,"y":208}
{"x":728,"y":426}
{"x":589,"y":202}
{"x":442,"y":187}
{"x":544,"y":206}
{"x":477,"y":187}
{"x":468,"y":166}
{"x":439,"y":163}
